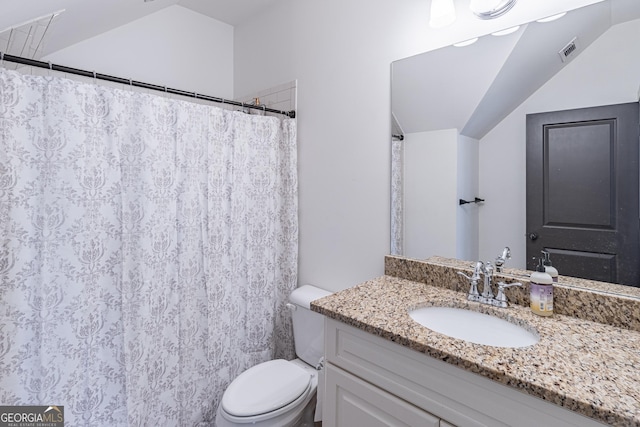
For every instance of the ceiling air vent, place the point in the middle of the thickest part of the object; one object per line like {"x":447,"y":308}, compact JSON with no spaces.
{"x":569,"y":50}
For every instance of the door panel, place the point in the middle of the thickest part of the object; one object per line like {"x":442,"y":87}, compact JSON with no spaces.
{"x":569,"y":185}
{"x":595,"y":266}
{"x":582,"y":191}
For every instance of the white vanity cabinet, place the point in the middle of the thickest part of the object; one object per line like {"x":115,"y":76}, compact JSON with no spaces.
{"x":371,"y":381}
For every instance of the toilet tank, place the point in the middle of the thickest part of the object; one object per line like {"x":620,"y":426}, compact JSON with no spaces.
{"x":308,"y":326}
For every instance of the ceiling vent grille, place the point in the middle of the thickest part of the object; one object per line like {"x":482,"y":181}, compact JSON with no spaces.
{"x":569,"y":50}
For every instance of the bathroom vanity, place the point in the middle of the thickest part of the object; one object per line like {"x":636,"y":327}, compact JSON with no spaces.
{"x":383,"y":368}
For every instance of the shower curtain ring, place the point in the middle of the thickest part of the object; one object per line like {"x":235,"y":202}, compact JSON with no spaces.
{"x":1,"y":59}
{"x":94,"y":77}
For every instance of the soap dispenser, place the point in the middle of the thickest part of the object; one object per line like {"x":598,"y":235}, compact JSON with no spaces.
{"x":541,"y":297}
{"x":549,"y":269}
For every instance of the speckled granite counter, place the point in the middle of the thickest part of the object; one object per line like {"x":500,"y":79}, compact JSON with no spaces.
{"x":607,"y":303}
{"x":582,"y":365}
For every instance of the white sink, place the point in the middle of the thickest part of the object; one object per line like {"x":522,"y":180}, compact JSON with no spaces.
{"x":478,"y":328}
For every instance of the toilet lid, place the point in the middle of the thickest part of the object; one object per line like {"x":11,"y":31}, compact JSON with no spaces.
{"x":265,"y":388}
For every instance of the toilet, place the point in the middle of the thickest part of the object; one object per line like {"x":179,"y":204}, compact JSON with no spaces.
{"x":279,"y":392}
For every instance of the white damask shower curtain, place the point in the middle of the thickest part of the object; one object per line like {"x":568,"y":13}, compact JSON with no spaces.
{"x":147,"y":248}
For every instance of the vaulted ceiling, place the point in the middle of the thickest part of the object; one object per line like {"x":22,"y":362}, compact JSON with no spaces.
{"x":83,"y":19}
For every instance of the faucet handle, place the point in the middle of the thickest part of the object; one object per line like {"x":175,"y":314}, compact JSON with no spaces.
{"x":501,"y":299}
{"x":464,"y":275}
{"x":473,"y":288}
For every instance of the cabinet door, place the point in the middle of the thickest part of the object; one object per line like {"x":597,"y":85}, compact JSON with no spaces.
{"x":351,"y":402}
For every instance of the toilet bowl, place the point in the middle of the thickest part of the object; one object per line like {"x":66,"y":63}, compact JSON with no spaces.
{"x":277,"y":393}
{"x":281,"y":393}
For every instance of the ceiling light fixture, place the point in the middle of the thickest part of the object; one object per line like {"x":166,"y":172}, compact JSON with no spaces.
{"x":466,"y":42}
{"x":552,"y":17}
{"x":507,"y":31}
{"x":443,"y":13}
{"x":491,"y":9}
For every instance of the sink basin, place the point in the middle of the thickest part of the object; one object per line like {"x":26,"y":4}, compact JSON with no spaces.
{"x":475,"y":327}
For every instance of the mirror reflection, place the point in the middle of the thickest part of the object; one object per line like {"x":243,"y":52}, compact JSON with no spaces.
{"x":462,"y":114}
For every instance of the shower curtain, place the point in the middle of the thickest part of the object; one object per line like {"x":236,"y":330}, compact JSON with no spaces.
{"x":147,"y":248}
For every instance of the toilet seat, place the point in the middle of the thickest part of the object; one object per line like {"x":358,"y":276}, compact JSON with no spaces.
{"x":265,"y":391}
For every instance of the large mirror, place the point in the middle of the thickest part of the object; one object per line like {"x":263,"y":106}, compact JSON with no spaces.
{"x":461,"y":115}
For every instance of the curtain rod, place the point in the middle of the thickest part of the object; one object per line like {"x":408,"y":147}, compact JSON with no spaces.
{"x":99,"y":76}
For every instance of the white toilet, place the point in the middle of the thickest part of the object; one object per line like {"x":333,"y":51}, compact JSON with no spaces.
{"x":279,"y":392}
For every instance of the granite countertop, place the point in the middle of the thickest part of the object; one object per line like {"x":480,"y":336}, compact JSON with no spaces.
{"x":586,"y":366}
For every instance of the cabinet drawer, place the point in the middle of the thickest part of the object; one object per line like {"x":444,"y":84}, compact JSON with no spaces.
{"x":352,"y":402}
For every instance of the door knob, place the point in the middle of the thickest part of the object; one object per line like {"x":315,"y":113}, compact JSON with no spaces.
{"x":533,"y":236}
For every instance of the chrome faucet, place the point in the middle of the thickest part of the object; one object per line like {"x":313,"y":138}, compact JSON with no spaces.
{"x":486,"y":269}
{"x":502,"y":258}
{"x":487,"y":292}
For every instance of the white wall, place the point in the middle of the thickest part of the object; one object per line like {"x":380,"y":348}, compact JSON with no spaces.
{"x":607,"y":72}
{"x":430,"y":190}
{"x":440,"y":167}
{"x":467,"y":216}
{"x":340,"y":53}
{"x":174,"y":47}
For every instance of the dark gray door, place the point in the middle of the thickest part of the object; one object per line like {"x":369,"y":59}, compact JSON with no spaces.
{"x":582,"y":191}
